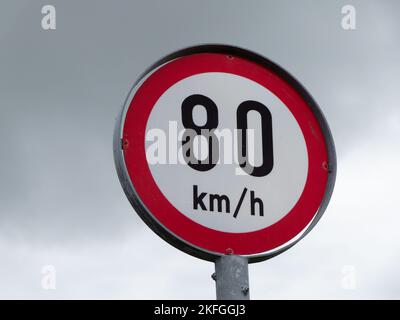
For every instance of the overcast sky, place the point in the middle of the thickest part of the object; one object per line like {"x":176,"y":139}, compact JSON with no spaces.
{"x":61,"y":203}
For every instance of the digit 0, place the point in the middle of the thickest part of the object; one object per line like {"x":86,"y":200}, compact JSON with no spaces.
{"x":267,"y":148}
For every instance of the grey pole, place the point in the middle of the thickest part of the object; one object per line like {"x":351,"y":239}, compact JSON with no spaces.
{"x":232,"y":278}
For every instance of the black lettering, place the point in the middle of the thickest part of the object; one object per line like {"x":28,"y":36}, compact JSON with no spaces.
{"x":198,"y":199}
{"x":253,"y":202}
{"x":220,"y":199}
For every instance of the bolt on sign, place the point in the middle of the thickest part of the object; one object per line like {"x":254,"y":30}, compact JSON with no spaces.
{"x":221,"y":151}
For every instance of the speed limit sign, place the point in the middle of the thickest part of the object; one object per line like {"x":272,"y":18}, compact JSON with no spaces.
{"x":221,"y":151}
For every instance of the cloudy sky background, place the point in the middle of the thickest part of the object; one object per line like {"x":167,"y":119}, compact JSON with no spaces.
{"x":61,"y":203}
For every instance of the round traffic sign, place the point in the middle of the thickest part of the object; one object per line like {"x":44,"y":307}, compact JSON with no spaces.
{"x":221,"y":151}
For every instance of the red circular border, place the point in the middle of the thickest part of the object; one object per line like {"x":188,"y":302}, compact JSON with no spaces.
{"x":165,"y":213}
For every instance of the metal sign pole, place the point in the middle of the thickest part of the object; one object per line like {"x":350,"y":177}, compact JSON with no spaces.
{"x":232,"y":278}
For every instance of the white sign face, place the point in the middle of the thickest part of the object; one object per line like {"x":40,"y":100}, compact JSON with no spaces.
{"x":268,"y":198}
{"x":224,"y":153}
